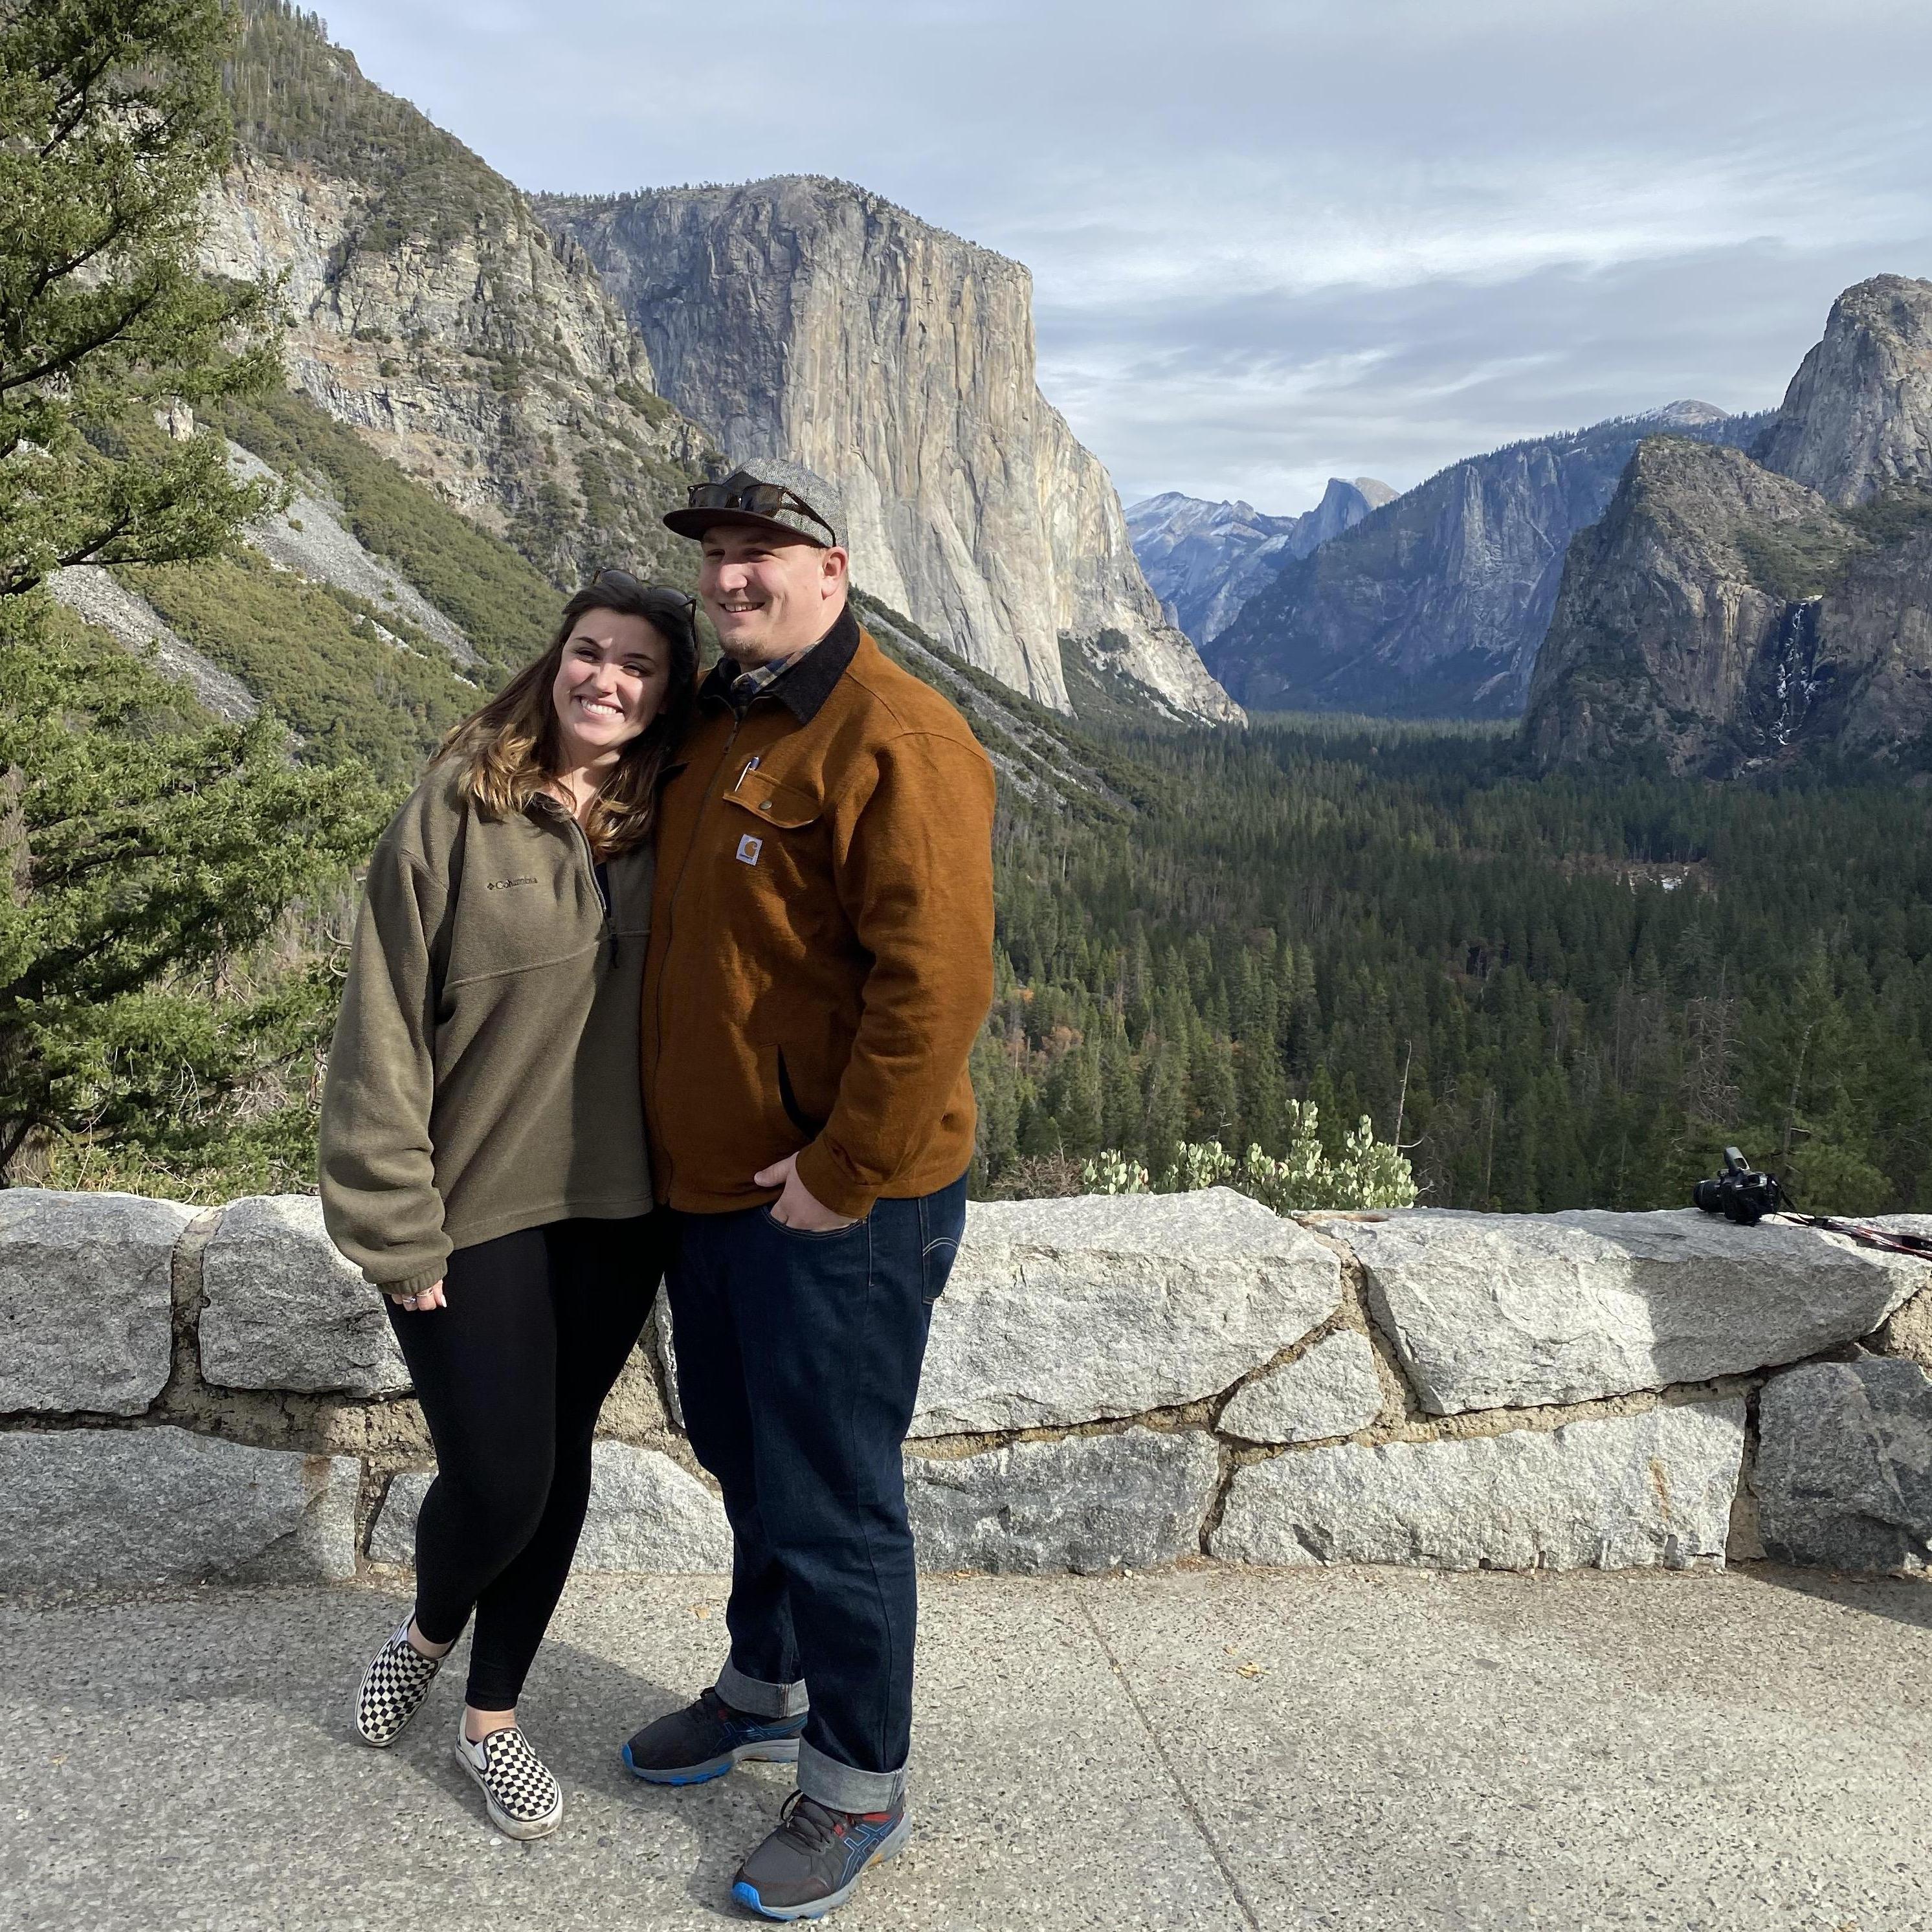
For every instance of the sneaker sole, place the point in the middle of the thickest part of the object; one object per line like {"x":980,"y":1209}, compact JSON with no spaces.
{"x":747,"y":1895}
{"x":511,"y":1827}
{"x":773,"y":1750}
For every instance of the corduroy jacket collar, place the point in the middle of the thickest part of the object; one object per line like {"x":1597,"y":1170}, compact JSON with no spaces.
{"x":802,"y":686}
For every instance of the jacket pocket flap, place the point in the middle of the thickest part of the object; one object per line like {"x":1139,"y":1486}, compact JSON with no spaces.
{"x":773,"y":803}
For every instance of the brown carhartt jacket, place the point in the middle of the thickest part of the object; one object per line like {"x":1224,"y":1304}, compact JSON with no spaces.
{"x":821,"y":953}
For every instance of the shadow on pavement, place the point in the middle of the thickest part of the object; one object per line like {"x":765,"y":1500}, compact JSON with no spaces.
{"x":1904,"y":1600}
{"x":199,"y":1654}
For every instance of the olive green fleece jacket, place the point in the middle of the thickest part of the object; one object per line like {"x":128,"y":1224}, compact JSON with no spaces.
{"x":484,"y":1077}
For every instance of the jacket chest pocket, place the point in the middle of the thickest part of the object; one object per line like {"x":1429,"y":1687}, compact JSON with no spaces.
{"x":771,"y":826}
{"x":520,"y":911}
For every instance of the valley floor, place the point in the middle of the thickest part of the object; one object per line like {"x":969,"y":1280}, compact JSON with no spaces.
{"x":1346,"y":1749}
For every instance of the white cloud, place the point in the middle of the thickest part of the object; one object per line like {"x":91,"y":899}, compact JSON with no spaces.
{"x":1275,"y":238}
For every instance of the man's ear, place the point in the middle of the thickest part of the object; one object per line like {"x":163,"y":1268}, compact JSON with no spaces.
{"x":836,"y":562}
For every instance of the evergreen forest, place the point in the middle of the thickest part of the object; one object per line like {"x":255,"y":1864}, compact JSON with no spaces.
{"x":1552,"y":991}
{"x":1547,"y":992}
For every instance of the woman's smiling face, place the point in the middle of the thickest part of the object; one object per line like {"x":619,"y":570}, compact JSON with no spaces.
{"x":610,"y":683}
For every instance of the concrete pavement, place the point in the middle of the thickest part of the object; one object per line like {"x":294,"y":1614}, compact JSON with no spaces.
{"x":1226,"y":1749}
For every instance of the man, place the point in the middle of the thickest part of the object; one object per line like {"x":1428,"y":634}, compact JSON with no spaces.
{"x":821,"y":961}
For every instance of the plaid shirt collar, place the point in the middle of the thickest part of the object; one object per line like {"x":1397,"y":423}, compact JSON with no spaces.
{"x":802,"y":683}
{"x":747,"y":684}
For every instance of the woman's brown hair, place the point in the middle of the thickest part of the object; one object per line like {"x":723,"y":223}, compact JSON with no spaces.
{"x":511,"y":749}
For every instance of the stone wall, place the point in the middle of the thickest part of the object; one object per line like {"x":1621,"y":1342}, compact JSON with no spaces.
{"x":1124,"y":1382}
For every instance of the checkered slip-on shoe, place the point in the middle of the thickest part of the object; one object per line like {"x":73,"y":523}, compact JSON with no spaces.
{"x":393,"y":1689}
{"x":522,"y":1798}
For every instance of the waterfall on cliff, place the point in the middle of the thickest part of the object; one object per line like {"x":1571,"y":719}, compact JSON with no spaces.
{"x":1795,"y":680}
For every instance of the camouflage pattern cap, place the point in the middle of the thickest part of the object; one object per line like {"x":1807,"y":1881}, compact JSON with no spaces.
{"x":770,"y":494}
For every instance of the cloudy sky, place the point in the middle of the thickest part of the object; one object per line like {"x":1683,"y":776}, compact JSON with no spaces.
{"x":1274,"y":240}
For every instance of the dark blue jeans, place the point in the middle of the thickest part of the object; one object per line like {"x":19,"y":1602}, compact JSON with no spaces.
{"x":798,"y":1362}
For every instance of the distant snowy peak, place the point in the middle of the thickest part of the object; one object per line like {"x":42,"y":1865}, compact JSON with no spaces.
{"x":1434,"y":606}
{"x":1690,"y":415}
{"x":1205,"y":559}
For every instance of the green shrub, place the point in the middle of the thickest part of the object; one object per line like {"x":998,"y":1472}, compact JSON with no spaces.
{"x":314,"y":658}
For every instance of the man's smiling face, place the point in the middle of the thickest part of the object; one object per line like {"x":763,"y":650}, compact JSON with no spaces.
{"x":769,"y":595}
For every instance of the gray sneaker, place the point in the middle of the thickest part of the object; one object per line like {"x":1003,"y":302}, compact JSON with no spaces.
{"x":814,"y":1860}
{"x":705,"y":1739}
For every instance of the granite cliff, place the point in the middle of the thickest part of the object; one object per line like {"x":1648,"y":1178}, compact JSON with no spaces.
{"x":1857,"y":420}
{"x":433,"y":314}
{"x":1730,"y":616}
{"x":1434,"y":605}
{"x":807,"y":317}
{"x":1205,"y":560}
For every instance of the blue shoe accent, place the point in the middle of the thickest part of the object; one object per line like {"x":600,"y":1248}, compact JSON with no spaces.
{"x":706,"y":1740}
{"x":748,"y":1895}
{"x":681,"y":1777}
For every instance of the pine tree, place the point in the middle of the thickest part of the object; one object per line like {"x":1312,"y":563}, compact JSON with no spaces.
{"x":151,"y":850}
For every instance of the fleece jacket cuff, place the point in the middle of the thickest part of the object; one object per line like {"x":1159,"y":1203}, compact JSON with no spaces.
{"x":829,"y":1183}
{"x":414,"y":1284}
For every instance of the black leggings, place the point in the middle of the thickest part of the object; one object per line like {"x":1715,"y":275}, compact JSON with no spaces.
{"x":510,"y":1375}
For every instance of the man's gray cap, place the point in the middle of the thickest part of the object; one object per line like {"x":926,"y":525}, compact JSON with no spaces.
{"x":805,"y":484}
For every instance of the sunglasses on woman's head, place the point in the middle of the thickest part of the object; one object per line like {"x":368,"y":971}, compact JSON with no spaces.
{"x":622,"y":582}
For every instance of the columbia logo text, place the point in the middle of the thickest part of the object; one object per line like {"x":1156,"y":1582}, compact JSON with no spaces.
{"x":499,"y":885}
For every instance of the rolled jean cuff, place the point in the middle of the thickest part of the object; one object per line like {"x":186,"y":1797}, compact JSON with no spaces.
{"x":826,"y":1781}
{"x":758,"y":1699}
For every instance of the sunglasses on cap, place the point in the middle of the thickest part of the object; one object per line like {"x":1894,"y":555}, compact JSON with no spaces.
{"x":757,"y":499}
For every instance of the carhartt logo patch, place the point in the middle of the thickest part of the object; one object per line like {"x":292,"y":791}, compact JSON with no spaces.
{"x":748,"y":849}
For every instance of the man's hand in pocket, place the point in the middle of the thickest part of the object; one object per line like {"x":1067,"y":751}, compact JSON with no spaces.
{"x":798,"y":1207}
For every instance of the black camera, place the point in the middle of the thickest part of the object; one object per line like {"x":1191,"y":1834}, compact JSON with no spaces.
{"x":1740,"y":1193}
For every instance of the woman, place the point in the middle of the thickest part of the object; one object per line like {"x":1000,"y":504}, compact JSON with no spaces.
{"x":483,"y":1156}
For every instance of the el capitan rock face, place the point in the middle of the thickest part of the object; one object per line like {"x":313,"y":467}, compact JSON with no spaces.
{"x":1729,"y":615}
{"x":1434,"y":605}
{"x":804,"y":317}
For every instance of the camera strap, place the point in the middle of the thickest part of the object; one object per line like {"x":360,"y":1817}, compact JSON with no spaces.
{"x":1865,"y":1235}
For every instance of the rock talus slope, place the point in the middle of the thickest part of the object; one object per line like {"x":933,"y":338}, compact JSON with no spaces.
{"x":805,"y":317}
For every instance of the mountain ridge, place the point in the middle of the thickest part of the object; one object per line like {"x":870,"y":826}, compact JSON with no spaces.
{"x":1435,"y":605}
{"x":1735,"y":613}
{"x":799,"y":316}
{"x":431,"y":312}
{"x":1205,"y":559}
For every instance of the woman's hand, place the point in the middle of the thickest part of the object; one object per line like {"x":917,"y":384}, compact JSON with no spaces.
{"x":798,"y":1207}
{"x":430,"y":1297}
